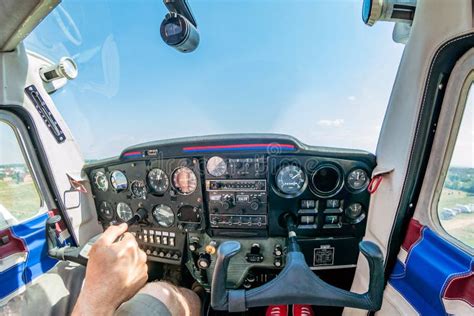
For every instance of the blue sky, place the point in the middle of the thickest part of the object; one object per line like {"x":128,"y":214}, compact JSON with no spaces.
{"x":310,"y":69}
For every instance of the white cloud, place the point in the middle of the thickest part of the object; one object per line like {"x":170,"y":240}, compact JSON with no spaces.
{"x":331,"y":123}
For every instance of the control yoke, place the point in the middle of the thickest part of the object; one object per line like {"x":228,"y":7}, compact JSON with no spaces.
{"x":76,"y":254}
{"x":296,"y":283}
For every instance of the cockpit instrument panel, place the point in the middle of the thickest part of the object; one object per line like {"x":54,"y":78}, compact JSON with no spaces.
{"x":199,"y":193}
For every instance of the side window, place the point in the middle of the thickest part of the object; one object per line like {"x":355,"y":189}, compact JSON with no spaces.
{"x":456,"y":204}
{"x":19,"y":197}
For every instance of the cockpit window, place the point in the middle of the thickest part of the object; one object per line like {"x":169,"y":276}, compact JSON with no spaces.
{"x":311,"y":70}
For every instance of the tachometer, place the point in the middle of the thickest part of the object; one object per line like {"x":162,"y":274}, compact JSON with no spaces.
{"x":291,"y":180}
{"x":100,"y":181}
{"x":216,"y":166}
{"x":119,"y":180}
{"x":124,"y":212}
{"x":184,"y":180}
{"x":138,"y":189}
{"x":163,"y":215}
{"x":158,"y":181}
{"x":358,"y":179}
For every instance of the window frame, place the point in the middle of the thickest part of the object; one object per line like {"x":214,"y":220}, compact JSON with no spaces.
{"x":31,"y":161}
{"x":461,"y":105}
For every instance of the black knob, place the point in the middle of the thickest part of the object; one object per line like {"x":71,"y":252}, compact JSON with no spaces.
{"x":278,"y":251}
{"x":255,"y":204}
{"x":255,"y":249}
{"x":204,"y":261}
{"x":277,"y":262}
{"x":194,"y":245}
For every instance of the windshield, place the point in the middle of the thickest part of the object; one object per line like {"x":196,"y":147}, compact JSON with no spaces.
{"x":310,"y":69}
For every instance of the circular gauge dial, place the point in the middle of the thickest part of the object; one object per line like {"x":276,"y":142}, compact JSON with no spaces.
{"x":100,"y":181}
{"x":184,"y":180}
{"x":124,"y":212}
{"x":119,"y":180}
{"x":163,"y":215}
{"x":358,"y":179}
{"x":216,"y":166}
{"x":189,"y":214}
{"x":106,"y":211}
{"x":138,"y":189}
{"x":291,"y":180}
{"x":327,"y":180}
{"x":158,"y":181}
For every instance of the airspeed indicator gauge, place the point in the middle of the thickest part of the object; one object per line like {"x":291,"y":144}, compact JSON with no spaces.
{"x":100,"y":181}
{"x":291,"y":181}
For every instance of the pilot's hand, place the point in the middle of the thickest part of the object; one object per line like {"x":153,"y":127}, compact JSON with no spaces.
{"x":116,"y":270}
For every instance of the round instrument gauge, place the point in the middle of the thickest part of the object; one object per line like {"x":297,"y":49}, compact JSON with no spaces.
{"x":138,"y":189}
{"x":291,"y":180}
{"x":327,"y":180}
{"x":119,"y":180}
{"x":216,"y":166}
{"x":354,"y":210}
{"x":184,"y":180}
{"x":358,"y":179}
{"x":124,"y":212}
{"x":100,"y":181}
{"x":106,"y":211}
{"x":188,"y":214}
{"x":163,"y":215}
{"x":158,"y":181}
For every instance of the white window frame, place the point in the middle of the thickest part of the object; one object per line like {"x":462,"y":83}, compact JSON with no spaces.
{"x":453,"y":136}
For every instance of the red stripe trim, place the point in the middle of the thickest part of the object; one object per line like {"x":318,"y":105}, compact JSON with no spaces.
{"x":239,"y":146}
{"x":133,"y":153}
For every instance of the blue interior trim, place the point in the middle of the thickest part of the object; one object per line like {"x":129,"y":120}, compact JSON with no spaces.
{"x":33,"y":234}
{"x":429,"y":265}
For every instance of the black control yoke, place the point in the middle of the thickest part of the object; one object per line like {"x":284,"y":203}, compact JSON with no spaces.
{"x":296,"y":283}
{"x":76,"y":254}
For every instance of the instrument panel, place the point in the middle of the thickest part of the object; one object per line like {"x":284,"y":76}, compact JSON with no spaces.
{"x":199,"y":193}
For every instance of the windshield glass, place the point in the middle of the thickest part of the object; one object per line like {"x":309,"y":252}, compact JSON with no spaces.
{"x":310,"y":69}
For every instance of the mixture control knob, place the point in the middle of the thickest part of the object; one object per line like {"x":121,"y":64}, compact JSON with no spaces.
{"x":204,"y":261}
{"x":255,"y":249}
{"x":278,"y":251}
{"x":255,"y":204}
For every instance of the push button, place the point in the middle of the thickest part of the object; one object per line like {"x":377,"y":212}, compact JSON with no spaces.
{"x":307,"y":219}
{"x":333,"y":204}
{"x":308,"y":203}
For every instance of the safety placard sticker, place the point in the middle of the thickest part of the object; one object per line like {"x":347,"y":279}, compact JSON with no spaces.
{"x":323,"y":256}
